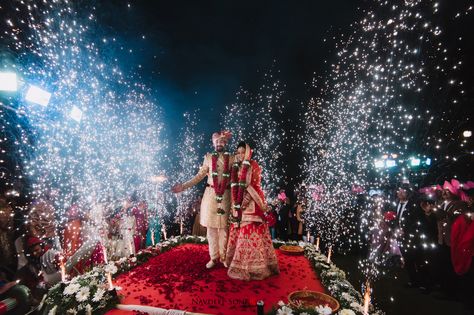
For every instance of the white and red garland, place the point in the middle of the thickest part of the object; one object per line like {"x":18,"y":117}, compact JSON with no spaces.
{"x":220,"y":187}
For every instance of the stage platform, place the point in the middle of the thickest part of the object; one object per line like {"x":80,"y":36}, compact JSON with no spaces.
{"x":178,"y":279}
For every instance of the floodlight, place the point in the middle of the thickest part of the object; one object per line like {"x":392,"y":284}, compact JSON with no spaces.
{"x":38,"y":96}
{"x":415,"y":162}
{"x":8,"y":81}
{"x":379,"y":164}
{"x":390,"y":163}
{"x":76,"y":114}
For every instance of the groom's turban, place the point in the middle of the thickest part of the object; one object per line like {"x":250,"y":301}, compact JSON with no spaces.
{"x":225,"y":135}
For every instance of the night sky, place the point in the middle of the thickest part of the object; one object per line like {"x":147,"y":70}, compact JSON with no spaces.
{"x":198,"y":54}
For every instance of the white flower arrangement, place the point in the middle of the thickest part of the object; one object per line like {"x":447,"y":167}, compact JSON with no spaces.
{"x":285,"y":310}
{"x":334,"y":279}
{"x":72,"y":288}
{"x":111,"y":268}
{"x":323,"y":310}
{"x":98,"y":295}
{"x":346,"y":312}
{"x":83,"y":294}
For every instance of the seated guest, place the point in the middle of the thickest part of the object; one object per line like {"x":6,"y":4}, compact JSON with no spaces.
{"x":50,"y":259}
{"x":6,"y":235}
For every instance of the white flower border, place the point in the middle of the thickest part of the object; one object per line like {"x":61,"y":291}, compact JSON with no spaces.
{"x":333,"y":278}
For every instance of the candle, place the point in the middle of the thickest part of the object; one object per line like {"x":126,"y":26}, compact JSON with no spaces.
{"x":164,"y":232}
{"x":367,"y":298}
{"x":181,"y":227}
{"x":63,"y":269}
{"x":329,"y":254}
{"x":104,"y":250}
{"x":308,"y":237}
{"x":153,"y":237}
{"x":317,"y":244}
{"x":109,"y":281}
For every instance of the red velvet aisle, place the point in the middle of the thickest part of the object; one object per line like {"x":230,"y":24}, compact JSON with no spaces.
{"x":179,"y":279}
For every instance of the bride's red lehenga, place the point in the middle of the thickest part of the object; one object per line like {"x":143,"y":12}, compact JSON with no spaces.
{"x":250,"y":253}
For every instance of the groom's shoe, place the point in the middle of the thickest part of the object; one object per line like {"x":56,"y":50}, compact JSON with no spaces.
{"x":210,"y":264}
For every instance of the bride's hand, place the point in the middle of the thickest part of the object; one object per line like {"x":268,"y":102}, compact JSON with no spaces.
{"x":246,"y":201}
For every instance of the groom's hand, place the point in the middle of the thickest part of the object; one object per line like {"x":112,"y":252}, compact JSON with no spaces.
{"x":177,"y":188}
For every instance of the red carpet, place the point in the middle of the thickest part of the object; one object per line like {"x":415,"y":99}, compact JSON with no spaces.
{"x":179,"y":279}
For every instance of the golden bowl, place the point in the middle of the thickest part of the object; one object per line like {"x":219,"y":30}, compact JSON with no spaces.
{"x":311,"y":299}
{"x":292,"y":250}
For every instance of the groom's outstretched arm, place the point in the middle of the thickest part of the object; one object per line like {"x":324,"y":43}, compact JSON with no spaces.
{"x":203,"y":171}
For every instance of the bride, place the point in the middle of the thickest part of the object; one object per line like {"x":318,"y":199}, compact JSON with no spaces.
{"x":250,"y":254}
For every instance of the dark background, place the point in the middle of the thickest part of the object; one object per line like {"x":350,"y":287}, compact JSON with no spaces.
{"x":197,"y":54}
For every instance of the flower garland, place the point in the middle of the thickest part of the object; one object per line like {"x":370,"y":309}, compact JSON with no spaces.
{"x":221,"y":187}
{"x":238,"y":184}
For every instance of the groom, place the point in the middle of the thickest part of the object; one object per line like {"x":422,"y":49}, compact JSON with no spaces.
{"x":215,"y":203}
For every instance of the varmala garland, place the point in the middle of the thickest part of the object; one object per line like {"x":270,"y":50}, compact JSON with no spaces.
{"x":238,"y":186}
{"x":221,"y":187}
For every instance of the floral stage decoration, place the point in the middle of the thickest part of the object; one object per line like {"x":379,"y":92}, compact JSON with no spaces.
{"x":94,"y":293}
{"x":335,"y":282}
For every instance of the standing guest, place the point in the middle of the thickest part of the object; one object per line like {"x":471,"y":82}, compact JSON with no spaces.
{"x":446,"y":214}
{"x":153,"y":235}
{"x":7,"y":251}
{"x":72,"y":235}
{"x":293,"y":220}
{"x":42,"y":221}
{"x":125,"y":244}
{"x":271,"y":219}
{"x":407,"y":217}
{"x":427,"y":242}
{"x":300,"y":209}
{"x":198,"y":229}
{"x":283,"y":216}
{"x":462,"y":250}
{"x":140,"y":213}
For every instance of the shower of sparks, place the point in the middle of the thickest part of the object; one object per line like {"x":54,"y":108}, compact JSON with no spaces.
{"x":255,"y":118}
{"x":188,"y":161}
{"x":116,"y":147}
{"x":380,"y":98}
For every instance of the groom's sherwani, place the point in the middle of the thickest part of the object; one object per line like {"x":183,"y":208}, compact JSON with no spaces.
{"x":216,"y":224}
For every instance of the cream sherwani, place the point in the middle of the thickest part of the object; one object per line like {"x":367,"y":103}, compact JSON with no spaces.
{"x":216,"y":224}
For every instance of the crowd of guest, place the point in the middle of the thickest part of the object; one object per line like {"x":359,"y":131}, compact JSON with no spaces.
{"x":428,"y":232}
{"x":39,"y":239}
